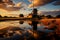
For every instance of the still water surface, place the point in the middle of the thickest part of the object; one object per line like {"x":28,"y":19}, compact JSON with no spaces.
{"x":23,"y":24}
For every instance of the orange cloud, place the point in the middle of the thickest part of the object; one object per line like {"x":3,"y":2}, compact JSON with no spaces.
{"x":39,"y":2}
{"x":18,"y":4}
{"x":9,"y":5}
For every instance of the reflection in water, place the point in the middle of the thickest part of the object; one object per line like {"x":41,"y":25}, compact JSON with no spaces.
{"x":21,"y":22}
{"x":34,"y":23}
{"x":21,"y":29}
{"x":28,"y":24}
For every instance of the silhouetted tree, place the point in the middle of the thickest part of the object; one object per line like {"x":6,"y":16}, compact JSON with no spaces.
{"x":58,"y":16}
{"x":49,"y":16}
{"x":5,"y":17}
{"x":21,"y":15}
{"x":42,"y":15}
{"x":0,"y":16}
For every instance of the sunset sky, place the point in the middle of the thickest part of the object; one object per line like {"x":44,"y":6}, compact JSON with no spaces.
{"x":16,"y":7}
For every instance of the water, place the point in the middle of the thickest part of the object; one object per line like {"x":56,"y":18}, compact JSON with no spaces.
{"x":20,"y":29}
{"x":22,"y":24}
{"x":5,"y":24}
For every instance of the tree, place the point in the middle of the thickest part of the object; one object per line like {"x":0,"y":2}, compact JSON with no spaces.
{"x":49,"y":16}
{"x":5,"y":17}
{"x":58,"y":16}
{"x":42,"y":16}
{"x":0,"y":16}
{"x":21,"y":15}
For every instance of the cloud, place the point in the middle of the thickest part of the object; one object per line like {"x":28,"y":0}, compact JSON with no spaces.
{"x":18,"y":4}
{"x":9,"y":5}
{"x":39,"y":2}
{"x":57,"y":2}
{"x":30,"y":0}
{"x":12,"y":8}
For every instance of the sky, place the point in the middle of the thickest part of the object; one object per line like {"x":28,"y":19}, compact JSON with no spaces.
{"x":16,"y":7}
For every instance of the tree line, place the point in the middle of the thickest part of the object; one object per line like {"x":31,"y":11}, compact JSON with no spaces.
{"x":39,"y":16}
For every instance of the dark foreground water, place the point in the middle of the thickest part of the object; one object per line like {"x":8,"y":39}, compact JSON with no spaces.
{"x":23,"y":30}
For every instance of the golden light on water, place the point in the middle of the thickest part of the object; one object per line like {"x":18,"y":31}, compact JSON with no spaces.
{"x":3,"y":25}
{"x":33,"y":33}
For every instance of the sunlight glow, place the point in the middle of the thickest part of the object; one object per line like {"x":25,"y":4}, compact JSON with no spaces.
{"x":9,"y":13}
{"x":3,"y":12}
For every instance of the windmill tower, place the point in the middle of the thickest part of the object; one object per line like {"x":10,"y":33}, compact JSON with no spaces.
{"x":34,"y":16}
